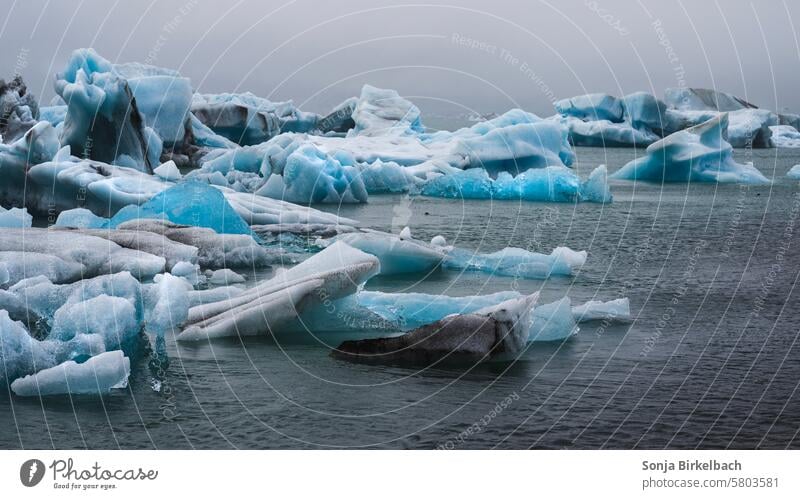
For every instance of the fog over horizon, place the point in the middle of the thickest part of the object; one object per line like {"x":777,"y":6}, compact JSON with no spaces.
{"x":450,"y":58}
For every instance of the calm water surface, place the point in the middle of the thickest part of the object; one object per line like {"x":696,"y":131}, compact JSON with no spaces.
{"x":711,"y":360}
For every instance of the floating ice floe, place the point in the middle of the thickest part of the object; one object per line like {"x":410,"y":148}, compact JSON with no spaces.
{"x":98,"y":375}
{"x":794,"y":172}
{"x":225,"y":276}
{"x":616,"y":310}
{"x":335,"y":272}
{"x":553,"y":322}
{"x":698,"y":154}
{"x":518,"y":262}
{"x":554,"y":184}
{"x":496,"y":332}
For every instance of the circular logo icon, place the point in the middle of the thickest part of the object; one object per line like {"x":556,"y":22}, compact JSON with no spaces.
{"x":31,"y":472}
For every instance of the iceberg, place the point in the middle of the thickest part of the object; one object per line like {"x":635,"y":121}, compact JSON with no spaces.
{"x":246,"y":119}
{"x":189,"y":203}
{"x":15,"y":217}
{"x":20,"y":354}
{"x":102,"y":120}
{"x":518,"y":262}
{"x":111,"y":318}
{"x":98,"y":375}
{"x":44,"y":298}
{"x":397,"y":254}
{"x":19,"y":110}
{"x":163,"y":99}
{"x":340,"y":119}
{"x":496,"y":332}
{"x":617,"y":310}
{"x":604,"y":133}
{"x":80,"y":218}
{"x":413,"y":310}
{"x":311,"y":176}
{"x":684,"y":98}
{"x":551,"y":184}
{"x":39,"y":144}
{"x":784,"y":136}
{"x":751,"y":128}
{"x":335,"y":272}
{"x":226,"y":277}
{"x":794,"y":172}
{"x":214,"y":250}
{"x":381,"y":112}
{"x":65,"y":256}
{"x":553,"y":322}
{"x":167,"y":304}
{"x":698,"y":154}
{"x":594,"y":107}
{"x":168,"y":171}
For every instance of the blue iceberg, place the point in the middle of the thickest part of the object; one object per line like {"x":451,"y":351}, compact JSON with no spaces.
{"x":697,"y":154}
{"x":551,"y":184}
{"x":188,"y":203}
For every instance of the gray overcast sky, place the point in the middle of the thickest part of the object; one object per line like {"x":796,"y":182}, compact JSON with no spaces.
{"x":320,"y":52}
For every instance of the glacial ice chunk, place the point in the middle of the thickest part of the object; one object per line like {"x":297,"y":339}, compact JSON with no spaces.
{"x":18,"y":108}
{"x":15,"y":217}
{"x":188,"y":203}
{"x":751,"y":128}
{"x":496,"y":332}
{"x":311,"y":176}
{"x":97,"y":376}
{"x":412,"y":310}
{"x":784,"y":136}
{"x":619,"y":310}
{"x":794,"y":172}
{"x":551,"y":184}
{"x":225,"y":277}
{"x":110,"y":317}
{"x":698,"y":154}
{"x":20,"y":353}
{"x":333,"y":273}
{"x":167,"y":303}
{"x":593,"y":107}
{"x":381,"y":112}
{"x":102,"y":121}
{"x":168,"y":171}
{"x":517,"y":262}
{"x":553,"y":322}
{"x":80,"y":218}
{"x":397,"y":254}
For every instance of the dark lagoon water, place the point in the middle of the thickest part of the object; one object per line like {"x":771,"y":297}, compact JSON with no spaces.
{"x":711,"y":359}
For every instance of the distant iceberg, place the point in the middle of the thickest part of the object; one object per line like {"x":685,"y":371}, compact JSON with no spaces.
{"x":553,"y":184}
{"x":697,"y":154}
